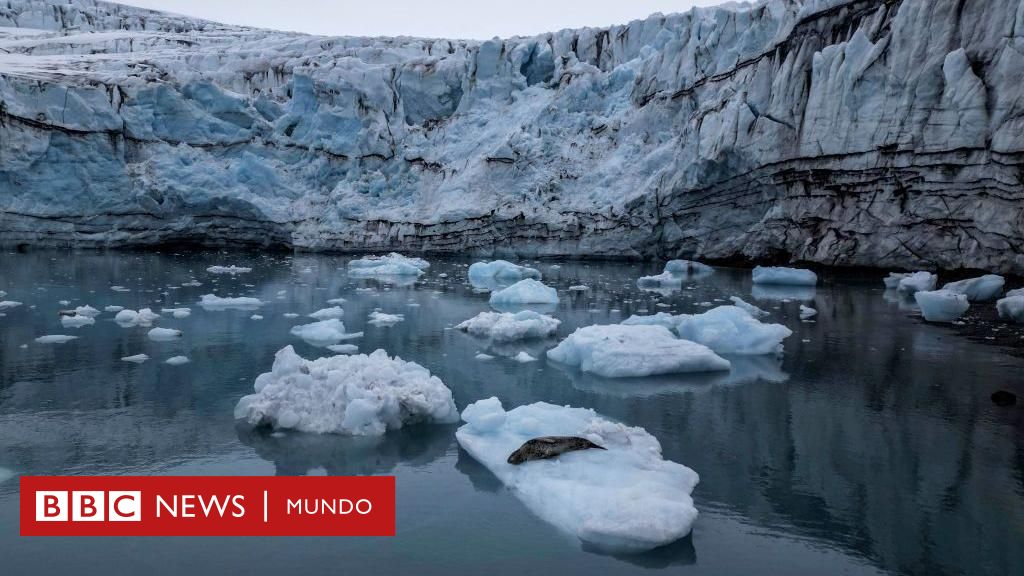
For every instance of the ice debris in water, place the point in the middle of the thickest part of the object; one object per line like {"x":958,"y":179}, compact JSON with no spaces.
{"x":1011,"y":307}
{"x":336,"y":301}
{"x":528,"y":291}
{"x":624,"y":499}
{"x":364,"y":395}
{"x":664,"y":280}
{"x":136,"y":359}
{"x":164,"y":334}
{"x":76,"y":321}
{"x":482,"y":356}
{"x":501,"y":270}
{"x":113,"y":308}
{"x":978,"y":289}
{"x":892,"y":281}
{"x":620,"y":351}
{"x":941,"y":305}
{"x":807,"y":312}
{"x":392,"y":264}
{"x":228,"y":270}
{"x":378,"y":318}
{"x":143,"y":317}
{"x":177,"y":360}
{"x":783,"y":275}
{"x":732,"y":330}
{"x":5,"y":475}
{"x":523,"y":357}
{"x":579,"y":288}
{"x":55,"y":339}
{"x":177,"y":312}
{"x":327,"y":313}
{"x":321,"y":333}
{"x":87,"y":311}
{"x":688,"y":267}
{"x":917,"y":282}
{"x":343,"y":348}
{"x":6,"y":304}
{"x":507,"y":327}
{"x":750,"y":308}
{"x":214,"y":302}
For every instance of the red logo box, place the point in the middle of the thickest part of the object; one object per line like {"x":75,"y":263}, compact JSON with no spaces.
{"x":207,"y":505}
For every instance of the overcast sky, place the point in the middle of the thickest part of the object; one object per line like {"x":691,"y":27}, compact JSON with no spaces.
{"x":479,"y":19}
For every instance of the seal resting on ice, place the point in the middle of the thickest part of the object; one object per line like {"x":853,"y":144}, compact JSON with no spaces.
{"x":548,"y":447}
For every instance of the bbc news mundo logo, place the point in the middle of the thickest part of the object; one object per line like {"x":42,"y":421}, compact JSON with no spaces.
{"x":207,"y":506}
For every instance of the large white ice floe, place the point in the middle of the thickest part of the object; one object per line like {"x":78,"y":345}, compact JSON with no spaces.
{"x":784,"y":276}
{"x":941,"y":305}
{"x":392,"y":264}
{"x":362,"y":395}
{"x":978,"y":289}
{"x":214,"y":302}
{"x":484,"y":273}
{"x":508,"y":327}
{"x":528,"y":291}
{"x":232,"y":270}
{"x":622,"y":351}
{"x":732,"y":330}
{"x":917,"y":282}
{"x":624,"y":499}
{"x":321,"y":333}
{"x":1011,"y":307}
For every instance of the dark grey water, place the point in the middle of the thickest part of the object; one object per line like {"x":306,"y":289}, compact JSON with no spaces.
{"x":871,"y":447}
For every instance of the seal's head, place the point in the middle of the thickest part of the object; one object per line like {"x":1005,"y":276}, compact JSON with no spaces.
{"x":517,"y":457}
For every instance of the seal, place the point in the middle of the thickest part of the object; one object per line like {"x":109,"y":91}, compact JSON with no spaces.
{"x":548,"y":447}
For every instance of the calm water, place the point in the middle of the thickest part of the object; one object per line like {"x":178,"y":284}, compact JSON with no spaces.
{"x":871,"y":447}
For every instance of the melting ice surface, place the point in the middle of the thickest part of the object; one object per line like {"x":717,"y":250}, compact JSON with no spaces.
{"x":870,"y":446}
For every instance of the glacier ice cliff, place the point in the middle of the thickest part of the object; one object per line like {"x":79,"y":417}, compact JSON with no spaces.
{"x":839,"y":132}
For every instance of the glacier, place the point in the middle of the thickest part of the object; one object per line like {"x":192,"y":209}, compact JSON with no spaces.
{"x":881,"y":133}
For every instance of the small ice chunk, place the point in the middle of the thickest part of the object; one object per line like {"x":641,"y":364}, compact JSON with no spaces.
{"x":664,"y":280}
{"x":917,"y":282}
{"x":624,"y":499}
{"x":290,"y":315}
{"x":144,"y":317}
{"x":619,"y":351}
{"x":113,"y":308}
{"x":807,"y":312}
{"x":164,"y":334}
{"x":76,"y":321}
{"x":522,"y":357}
{"x":528,"y":291}
{"x":55,"y":339}
{"x":120,"y":289}
{"x":483,"y":273}
{"x":482,"y":356}
{"x":783,"y":275}
{"x":507,"y":327}
{"x":688,"y":267}
{"x":392,"y":264}
{"x":336,"y":301}
{"x":732,"y":330}
{"x":1011,"y":307}
{"x":941,"y":305}
{"x":177,"y":312}
{"x":214,"y":302}
{"x":892,"y":281}
{"x":343,"y":348}
{"x":579,"y":288}
{"x":362,"y":395}
{"x":321,"y":333}
{"x":378,"y":318}
{"x":7,"y":304}
{"x":136,"y":359}
{"x":228,"y":270}
{"x":326,"y":313}
{"x":978,"y":289}
{"x":87,"y":311}
{"x":750,"y":308}
{"x":177,"y":360}
{"x":256,"y":317}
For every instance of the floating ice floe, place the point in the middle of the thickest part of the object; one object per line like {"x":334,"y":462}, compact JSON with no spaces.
{"x":256,"y":317}
{"x":136,"y":359}
{"x":941,"y":305}
{"x":362,"y":395}
{"x":336,"y":301}
{"x":326,"y":313}
{"x":978,"y":289}
{"x":322,"y":333}
{"x":1011,"y":307}
{"x":784,"y":276}
{"x":624,"y":499}
{"x":55,"y":339}
{"x":664,"y":280}
{"x":343,"y":348}
{"x":670,"y":321}
{"x":177,"y":360}
{"x":482,"y":356}
{"x":507,"y":327}
{"x":892,"y":281}
{"x":622,"y":351}
{"x":688,"y":267}
{"x":750,"y":308}
{"x":528,"y":291}
{"x":917,"y":282}
{"x":87,"y":311}
{"x":76,"y":321}
{"x":120,"y":289}
{"x":523,"y":357}
{"x":7,"y":304}
{"x":732,"y":330}
{"x":483,"y":273}
{"x":113,"y":308}
{"x":5,"y":475}
{"x":214,"y":302}
{"x":164,"y":334}
{"x":807,"y":312}
{"x":143,"y":317}
{"x":228,"y":270}
{"x":392,"y":264}
{"x":579,"y":288}
{"x":177,"y":312}
{"x":378,"y":318}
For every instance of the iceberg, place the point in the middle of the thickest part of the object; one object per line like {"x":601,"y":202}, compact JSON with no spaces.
{"x":87,"y":311}
{"x":483,"y":273}
{"x":621,"y":351}
{"x":523,"y":357}
{"x":163,"y":334}
{"x":322,"y":333}
{"x":784,"y":276}
{"x":359,"y":395}
{"x":624,"y":499}
{"x":1011,"y":307}
{"x":892,"y":281}
{"x":806,"y":312}
{"x":528,"y":291}
{"x":392,"y":264}
{"x":732,"y":330}
{"x":508,"y":327}
{"x":917,"y":282}
{"x":664,"y":280}
{"x":978,"y":289}
{"x":213,"y":302}
{"x":941,"y":305}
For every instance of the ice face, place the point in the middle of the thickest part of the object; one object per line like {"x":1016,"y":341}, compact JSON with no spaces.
{"x":623,"y":499}
{"x":509,"y":327}
{"x":361,"y":395}
{"x":941,"y":305}
{"x":784,"y":276}
{"x":621,"y":351}
{"x":978,"y":289}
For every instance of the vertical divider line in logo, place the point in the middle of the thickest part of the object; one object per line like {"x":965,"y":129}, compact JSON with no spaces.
{"x":264,"y":506}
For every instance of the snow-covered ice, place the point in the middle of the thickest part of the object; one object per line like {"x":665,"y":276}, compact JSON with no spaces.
{"x":177,"y":312}
{"x":213,"y":302}
{"x":232,"y":270}
{"x":163,"y":334}
{"x":321,"y":333}
{"x":623,"y":499}
{"x":55,"y":339}
{"x":363,"y":395}
{"x":507,"y":326}
{"x":484,"y":273}
{"x":941,"y":305}
{"x":784,"y":276}
{"x":978,"y":289}
{"x":732,"y":330}
{"x":528,"y":291}
{"x":177,"y":360}
{"x":622,"y":350}
{"x":917,"y":282}
{"x":392,"y":264}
